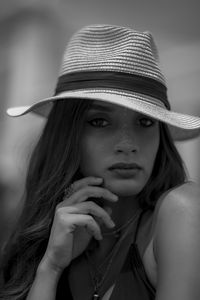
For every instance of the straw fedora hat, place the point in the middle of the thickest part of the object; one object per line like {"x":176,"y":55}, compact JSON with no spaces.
{"x":120,"y":66}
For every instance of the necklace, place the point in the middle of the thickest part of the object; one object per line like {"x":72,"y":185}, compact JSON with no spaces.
{"x":117,"y":231}
{"x":95,"y":274}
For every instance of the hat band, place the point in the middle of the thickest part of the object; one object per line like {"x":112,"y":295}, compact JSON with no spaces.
{"x":113,"y":80}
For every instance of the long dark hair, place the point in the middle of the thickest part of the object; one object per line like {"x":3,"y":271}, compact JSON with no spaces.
{"x":53,"y":166}
{"x":168,"y":171}
{"x":54,"y":163}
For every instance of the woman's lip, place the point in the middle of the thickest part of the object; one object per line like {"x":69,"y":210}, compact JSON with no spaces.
{"x":125,"y":173}
{"x":124,"y":166}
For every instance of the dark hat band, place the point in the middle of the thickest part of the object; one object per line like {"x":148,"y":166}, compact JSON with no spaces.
{"x":113,"y":80}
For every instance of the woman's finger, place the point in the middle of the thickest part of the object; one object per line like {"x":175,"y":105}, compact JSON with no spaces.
{"x":89,"y":192}
{"x":93,"y":209}
{"x":77,"y":185}
{"x":72,"y":221}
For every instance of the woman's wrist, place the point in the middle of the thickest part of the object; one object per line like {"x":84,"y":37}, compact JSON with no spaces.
{"x":47,"y":268}
{"x":45,"y":283}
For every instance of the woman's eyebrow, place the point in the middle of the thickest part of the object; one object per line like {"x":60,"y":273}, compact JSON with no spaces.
{"x":101,"y":107}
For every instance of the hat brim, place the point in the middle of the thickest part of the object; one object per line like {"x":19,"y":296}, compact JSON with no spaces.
{"x":182,"y":126}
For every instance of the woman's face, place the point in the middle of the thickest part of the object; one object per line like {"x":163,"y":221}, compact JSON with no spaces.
{"x":120,"y":146}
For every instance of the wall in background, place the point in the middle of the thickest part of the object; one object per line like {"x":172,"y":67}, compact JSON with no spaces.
{"x":32,"y":38}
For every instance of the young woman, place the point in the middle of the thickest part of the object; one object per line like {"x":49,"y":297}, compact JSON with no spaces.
{"x":108,"y":213}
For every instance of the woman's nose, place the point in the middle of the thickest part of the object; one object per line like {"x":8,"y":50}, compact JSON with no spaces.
{"x":126,"y":143}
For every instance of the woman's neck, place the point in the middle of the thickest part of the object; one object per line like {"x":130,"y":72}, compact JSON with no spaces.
{"x":122,"y":211}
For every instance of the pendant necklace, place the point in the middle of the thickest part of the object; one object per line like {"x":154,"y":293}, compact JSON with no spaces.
{"x":96,"y":275}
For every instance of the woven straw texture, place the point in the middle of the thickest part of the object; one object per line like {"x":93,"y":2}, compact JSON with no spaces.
{"x":109,"y":48}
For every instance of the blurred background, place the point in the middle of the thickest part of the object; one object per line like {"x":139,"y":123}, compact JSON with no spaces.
{"x":33,"y":35}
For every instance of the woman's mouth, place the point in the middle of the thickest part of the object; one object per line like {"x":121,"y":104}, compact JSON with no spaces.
{"x":125,"y":170}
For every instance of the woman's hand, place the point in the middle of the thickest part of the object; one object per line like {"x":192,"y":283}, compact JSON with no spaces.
{"x":75,"y":222}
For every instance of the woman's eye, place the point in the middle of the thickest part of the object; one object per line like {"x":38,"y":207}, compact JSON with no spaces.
{"x":146,"y":122}
{"x":98,"y":122}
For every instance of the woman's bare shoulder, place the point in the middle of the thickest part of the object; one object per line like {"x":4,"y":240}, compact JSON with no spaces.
{"x":177,"y":241}
{"x":189,"y":189}
{"x":176,"y":209}
{"x":183,"y":197}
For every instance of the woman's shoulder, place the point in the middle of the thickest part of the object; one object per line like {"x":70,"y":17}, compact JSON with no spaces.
{"x":183,"y":198}
{"x":175,"y":203}
{"x":189,"y":188}
{"x":176,"y":241}
{"x":177,"y":221}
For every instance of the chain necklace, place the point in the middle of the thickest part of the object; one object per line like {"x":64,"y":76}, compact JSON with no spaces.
{"x":117,"y":231}
{"x":96,"y":275}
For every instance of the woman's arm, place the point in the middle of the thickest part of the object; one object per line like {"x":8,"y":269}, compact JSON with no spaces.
{"x":45,"y":284}
{"x":177,"y":245}
{"x":73,"y":227}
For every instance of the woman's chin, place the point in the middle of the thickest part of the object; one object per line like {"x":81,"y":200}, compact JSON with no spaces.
{"x":124,"y":189}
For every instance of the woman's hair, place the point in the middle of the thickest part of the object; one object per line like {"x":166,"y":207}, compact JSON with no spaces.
{"x":168,"y":171}
{"x":53,"y":166}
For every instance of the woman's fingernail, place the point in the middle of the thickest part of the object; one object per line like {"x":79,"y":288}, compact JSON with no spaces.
{"x":98,"y":178}
{"x":108,"y":210}
{"x":115,"y":197}
{"x":112,"y":224}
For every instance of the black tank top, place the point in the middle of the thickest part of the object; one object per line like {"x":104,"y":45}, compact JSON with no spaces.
{"x":132,"y":282}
